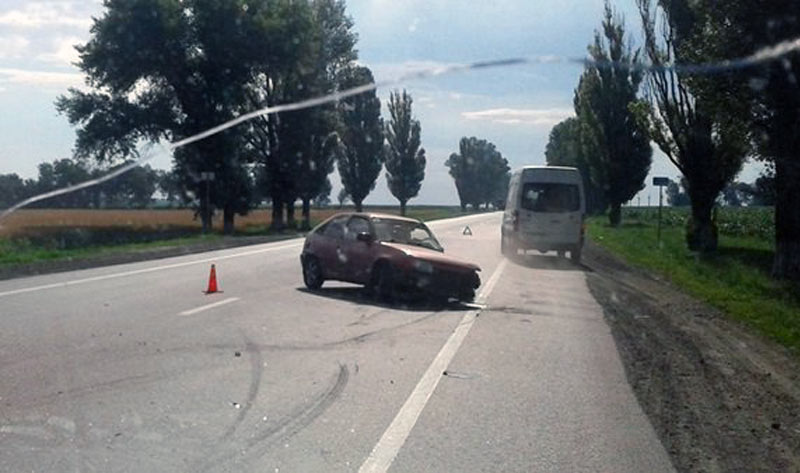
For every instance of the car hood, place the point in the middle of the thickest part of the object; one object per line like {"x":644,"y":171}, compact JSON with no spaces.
{"x":434,"y":257}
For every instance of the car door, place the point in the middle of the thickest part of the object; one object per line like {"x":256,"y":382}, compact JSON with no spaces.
{"x":358,"y":255}
{"x":328,"y":247}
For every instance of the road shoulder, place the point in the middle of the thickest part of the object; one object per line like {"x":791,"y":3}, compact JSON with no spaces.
{"x":719,"y":397}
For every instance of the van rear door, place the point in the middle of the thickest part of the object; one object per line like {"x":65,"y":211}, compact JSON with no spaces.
{"x":550,"y":212}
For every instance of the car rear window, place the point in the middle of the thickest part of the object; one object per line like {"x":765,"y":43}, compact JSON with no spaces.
{"x":550,"y":197}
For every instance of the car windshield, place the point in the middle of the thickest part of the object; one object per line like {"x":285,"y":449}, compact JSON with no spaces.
{"x":405,"y":232}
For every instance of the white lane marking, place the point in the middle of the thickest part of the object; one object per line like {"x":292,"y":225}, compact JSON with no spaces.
{"x":209,"y":306}
{"x":392,"y":440}
{"x":145,"y":270}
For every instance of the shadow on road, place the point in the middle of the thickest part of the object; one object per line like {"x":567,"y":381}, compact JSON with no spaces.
{"x":414,"y":303}
{"x":552,"y":262}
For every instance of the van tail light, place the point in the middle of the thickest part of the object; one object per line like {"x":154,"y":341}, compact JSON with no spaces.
{"x":515,"y":220}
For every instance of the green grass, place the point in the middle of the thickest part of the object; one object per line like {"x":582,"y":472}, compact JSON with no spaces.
{"x":22,"y":251}
{"x":736,"y":279}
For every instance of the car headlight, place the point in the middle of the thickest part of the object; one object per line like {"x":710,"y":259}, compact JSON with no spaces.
{"x":423,"y":266}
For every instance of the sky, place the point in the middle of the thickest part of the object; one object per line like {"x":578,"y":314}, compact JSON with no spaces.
{"x":514,"y":106}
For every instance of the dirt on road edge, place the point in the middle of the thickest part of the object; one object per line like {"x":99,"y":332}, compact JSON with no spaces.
{"x":720,"y":398}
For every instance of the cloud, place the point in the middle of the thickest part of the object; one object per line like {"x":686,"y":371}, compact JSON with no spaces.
{"x":40,"y":78}
{"x":63,"y":52}
{"x":35,"y":15}
{"x":521,"y":116}
{"x":13,"y":46}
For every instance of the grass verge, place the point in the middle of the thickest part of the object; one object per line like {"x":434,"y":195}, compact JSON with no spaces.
{"x":736,"y":279}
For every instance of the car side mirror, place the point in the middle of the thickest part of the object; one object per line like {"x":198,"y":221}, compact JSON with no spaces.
{"x":366,"y":237}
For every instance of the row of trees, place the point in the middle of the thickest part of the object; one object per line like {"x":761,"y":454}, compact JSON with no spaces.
{"x":170,"y":69}
{"x":134,"y":189}
{"x":480,"y":172}
{"x":736,"y":194}
{"x":707,"y":121}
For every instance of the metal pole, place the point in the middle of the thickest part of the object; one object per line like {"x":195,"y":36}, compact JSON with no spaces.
{"x":659,"y":214}
{"x":207,"y":225}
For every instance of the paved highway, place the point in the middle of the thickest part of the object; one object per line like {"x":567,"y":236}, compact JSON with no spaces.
{"x":133,"y":369}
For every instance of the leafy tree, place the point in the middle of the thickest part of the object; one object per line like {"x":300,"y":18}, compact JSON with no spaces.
{"x":168,"y":69}
{"x":737,"y":194}
{"x":775,"y":118}
{"x":323,"y":199}
{"x":168,"y":184}
{"x":564,"y":149}
{"x":697,"y":121}
{"x":296,"y":149}
{"x":480,"y":172}
{"x":676,"y":195}
{"x":342,"y":197}
{"x":614,"y":141}
{"x":405,"y":158}
{"x":361,"y":151}
{"x":763,"y":191}
{"x":12,"y":190}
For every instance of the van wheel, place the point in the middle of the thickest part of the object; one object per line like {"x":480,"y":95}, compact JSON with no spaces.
{"x":575,"y":255}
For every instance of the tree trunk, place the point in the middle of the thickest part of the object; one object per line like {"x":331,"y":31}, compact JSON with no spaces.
{"x":403,"y":207}
{"x":290,"y":222}
{"x":701,"y":234}
{"x":228,"y":217}
{"x":786,"y":264}
{"x":615,"y":215}
{"x":205,"y":217}
{"x":306,"y":215}
{"x":277,"y":214}
{"x":359,"y":206}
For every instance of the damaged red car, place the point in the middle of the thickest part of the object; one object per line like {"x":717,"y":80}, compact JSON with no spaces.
{"x":387,"y":254}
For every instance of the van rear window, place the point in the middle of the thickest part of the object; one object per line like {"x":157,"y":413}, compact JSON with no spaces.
{"x":550,"y":197}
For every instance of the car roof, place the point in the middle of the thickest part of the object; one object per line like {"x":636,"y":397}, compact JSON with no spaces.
{"x":371,"y":215}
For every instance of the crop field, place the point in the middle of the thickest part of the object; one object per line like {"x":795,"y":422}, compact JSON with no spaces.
{"x":755,"y":222}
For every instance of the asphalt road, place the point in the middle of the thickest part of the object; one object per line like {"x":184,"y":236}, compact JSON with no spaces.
{"x":133,"y":369}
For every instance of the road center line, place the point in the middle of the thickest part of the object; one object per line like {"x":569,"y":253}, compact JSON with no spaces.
{"x":392,"y":440}
{"x":145,"y":270}
{"x":209,"y":306}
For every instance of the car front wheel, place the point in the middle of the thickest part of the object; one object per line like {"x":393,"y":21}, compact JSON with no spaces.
{"x":312,"y":273}
{"x":383,"y":281}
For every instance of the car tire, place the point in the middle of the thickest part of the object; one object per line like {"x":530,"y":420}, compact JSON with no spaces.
{"x":575,"y":255}
{"x":562,"y":253}
{"x":312,"y":273}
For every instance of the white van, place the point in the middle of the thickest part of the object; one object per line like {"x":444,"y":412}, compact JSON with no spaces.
{"x":544,"y":211}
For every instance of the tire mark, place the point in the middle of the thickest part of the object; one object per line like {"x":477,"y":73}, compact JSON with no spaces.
{"x":256,"y":362}
{"x":287,"y":427}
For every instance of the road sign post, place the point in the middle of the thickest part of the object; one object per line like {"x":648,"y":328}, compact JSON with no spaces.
{"x":660,"y":182}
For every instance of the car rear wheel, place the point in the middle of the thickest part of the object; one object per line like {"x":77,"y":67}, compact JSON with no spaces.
{"x":312,"y":273}
{"x":575,"y":255}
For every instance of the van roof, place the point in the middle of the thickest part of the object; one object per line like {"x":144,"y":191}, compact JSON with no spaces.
{"x":555,"y":168}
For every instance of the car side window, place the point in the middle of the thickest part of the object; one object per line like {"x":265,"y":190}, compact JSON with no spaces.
{"x":355,"y":226}
{"x":335,"y":228}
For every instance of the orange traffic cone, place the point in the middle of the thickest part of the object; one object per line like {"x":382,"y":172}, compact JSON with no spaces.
{"x":212,"y":281}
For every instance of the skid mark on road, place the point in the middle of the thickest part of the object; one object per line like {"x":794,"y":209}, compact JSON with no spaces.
{"x":257,"y":445}
{"x":256,"y":364}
